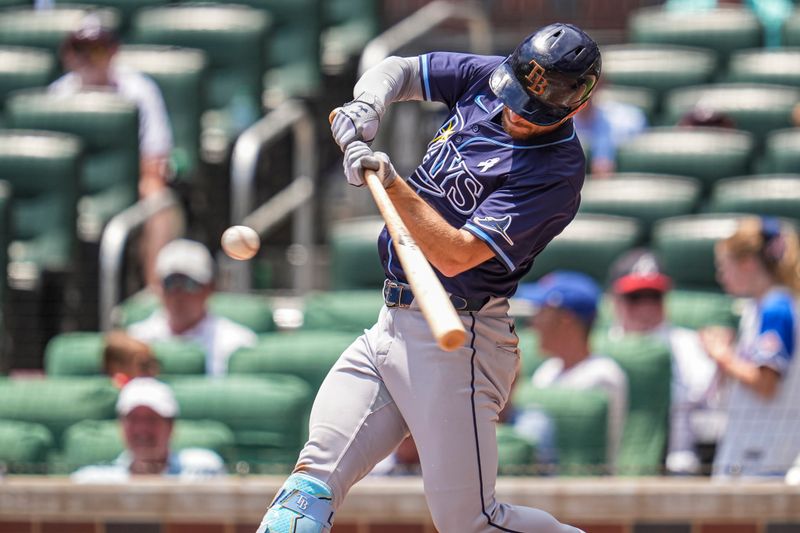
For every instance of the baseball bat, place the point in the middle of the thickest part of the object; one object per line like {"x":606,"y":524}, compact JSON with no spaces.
{"x":433,"y":301}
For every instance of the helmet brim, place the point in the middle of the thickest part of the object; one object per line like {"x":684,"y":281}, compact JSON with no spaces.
{"x":509,"y":90}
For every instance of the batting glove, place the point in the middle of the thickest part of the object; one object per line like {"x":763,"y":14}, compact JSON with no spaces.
{"x":357,"y":120}
{"x":358,"y":157}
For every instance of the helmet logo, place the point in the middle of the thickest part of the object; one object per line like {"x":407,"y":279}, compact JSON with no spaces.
{"x":537,"y":83}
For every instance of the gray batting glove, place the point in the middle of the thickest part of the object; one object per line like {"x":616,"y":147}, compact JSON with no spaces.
{"x":357,"y":121}
{"x":358,"y":157}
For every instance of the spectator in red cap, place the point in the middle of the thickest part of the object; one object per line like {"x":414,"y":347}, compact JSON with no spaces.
{"x":639,"y":288}
{"x":88,"y":57}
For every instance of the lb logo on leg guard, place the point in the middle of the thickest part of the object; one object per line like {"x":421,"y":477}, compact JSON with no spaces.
{"x":303,"y":505}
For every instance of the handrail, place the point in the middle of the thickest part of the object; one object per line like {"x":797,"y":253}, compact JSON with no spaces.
{"x":112,"y":247}
{"x":423,"y":21}
{"x":294,"y":116}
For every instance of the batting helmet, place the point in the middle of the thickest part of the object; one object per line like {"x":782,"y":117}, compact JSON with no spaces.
{"x":549,"y":75}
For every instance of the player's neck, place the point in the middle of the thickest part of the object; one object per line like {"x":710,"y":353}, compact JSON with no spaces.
{"x":573,"y":352}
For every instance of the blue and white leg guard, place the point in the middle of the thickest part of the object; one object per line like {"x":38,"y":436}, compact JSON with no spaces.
{"x":303,"y":505}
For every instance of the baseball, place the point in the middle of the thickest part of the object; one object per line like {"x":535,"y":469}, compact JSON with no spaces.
{"x":240,"y":242}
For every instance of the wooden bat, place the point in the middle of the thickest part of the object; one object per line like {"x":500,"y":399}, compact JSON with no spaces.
{"x":433,"y":301}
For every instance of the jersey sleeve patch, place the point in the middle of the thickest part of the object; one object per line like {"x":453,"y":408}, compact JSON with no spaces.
{"x":775,"y":343}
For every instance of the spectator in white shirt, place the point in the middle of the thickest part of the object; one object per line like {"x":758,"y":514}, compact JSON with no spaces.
{"x":565,"y":307}
{"x":185,"y":271}
{"x":147,"y":410}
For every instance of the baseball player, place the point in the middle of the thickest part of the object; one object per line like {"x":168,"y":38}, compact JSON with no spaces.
{"x":500,"y":179}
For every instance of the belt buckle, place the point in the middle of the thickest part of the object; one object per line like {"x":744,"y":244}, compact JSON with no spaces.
{"x":458,"y":302}
{"x":392,"y":294}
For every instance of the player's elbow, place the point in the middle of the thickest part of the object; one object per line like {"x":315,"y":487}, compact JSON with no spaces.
{"x":451,"y":268}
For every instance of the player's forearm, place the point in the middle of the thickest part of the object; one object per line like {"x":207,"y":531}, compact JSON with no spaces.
{"x":762,"y":380}
{"x":395,"y":79}
{"x":450,"y":250}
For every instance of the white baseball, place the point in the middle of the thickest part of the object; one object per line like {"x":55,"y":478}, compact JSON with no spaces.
{"x":241,"y":242}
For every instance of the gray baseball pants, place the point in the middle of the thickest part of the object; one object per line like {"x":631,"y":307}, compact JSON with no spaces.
{"x":394,"y":380}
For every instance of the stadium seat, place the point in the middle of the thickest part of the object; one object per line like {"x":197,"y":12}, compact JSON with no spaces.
{"x":515,"y":454}
{"x":349,"y":25}
{"x":589,"y":244}
{"x":686,"y":247}
{"x":779,"y":66}
{"x":647,"y":364}
{"x":233,"y":37}
{"x":42,"y":169}
{"x":581,"y":420}
{"x":354,"y":261}
{"x":722,"y":30}
{"x":108,"y":125}
{"x":765,"y":194}
{"x":268,"y":414}
{"x":657,"y":67}
{"x":23,"y":67}
{"x":791,"y":30}
{"x":782,"y":151}
{"x":57,"y":403}
{"x":350,"y":311}
{"x":94,"y":442}
{"x":646,"y":100}
{"x":645,"y":197}
{"x":125,"y":10}
{"x":250,"y":310}
{"x":47,"y":28}
{"x":24,"y":447}
{"x":707,"y":154}
{"x":757,"y":108}
{"x":81,"y":354}
{"x":179,"y":74}
{"x":308,"y":355}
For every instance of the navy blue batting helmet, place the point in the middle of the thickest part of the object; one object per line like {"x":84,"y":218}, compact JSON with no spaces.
{"x":549,"y":75}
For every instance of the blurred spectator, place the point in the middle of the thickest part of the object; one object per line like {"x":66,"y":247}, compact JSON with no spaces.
{"x":762,"y":438}
{"x":125,"y":358}
{"x":639,"y":288}
{"x":88,"y":58}
{"x":147,"y":411}
{"x":771,"y":13}
{"x":565,"y":309}
{"x":185,"y":271}
{"x":404,"y":461}
{"x":602,"y":126}
{"x":706,"y":116}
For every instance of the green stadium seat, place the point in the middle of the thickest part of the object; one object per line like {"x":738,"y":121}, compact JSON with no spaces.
{"x":81,"y":354}
{"x":765,"y":194}
{"x":108,"y":125}
{"x":791,"y":30}
{"x":722,"y":30}
{"x":646,"y":100}
{"x":581,"y":420}
{"x":589,"y":244}
{"x":125,"y":10}
{"x":94,"y":442}
{"x":42,"y":169}
{"x":645,"y":197}
{"x":757,"y":108}
{"x":782,"y":151}
{"x":24,"y":447}
{"x":354,"y":261}
{"x":47,"y":28}
{"x":268,"y":414}
{"x":350,"y":311}
{"x":349,"y":26}
{"x":660,"y":68}
{"x":779,"y":66}
{"x":22,"y":68}
{"x":515,"y":453}
{"x":179,"y":74}
{"x":57,"y":403}
{"x":308,"y":355}
{"x":233,"y":37}
{"x":648,"y":364}
{"x":250,"y":310}
{"x":686,"y":247}
{"x":708,"y":154}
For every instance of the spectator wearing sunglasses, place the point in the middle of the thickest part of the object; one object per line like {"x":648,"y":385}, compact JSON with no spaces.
{"x":639,"y":288}
{"x":87,"y":55}
{"x":186,"y":273}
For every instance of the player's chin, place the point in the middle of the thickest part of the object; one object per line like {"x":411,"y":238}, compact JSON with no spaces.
{"x":517,"y":127}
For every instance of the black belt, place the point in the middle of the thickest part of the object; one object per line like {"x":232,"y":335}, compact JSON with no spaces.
{"x":399,"y":295}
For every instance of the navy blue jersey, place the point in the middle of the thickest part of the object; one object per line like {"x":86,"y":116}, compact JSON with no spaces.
{"x":513,"y":195}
